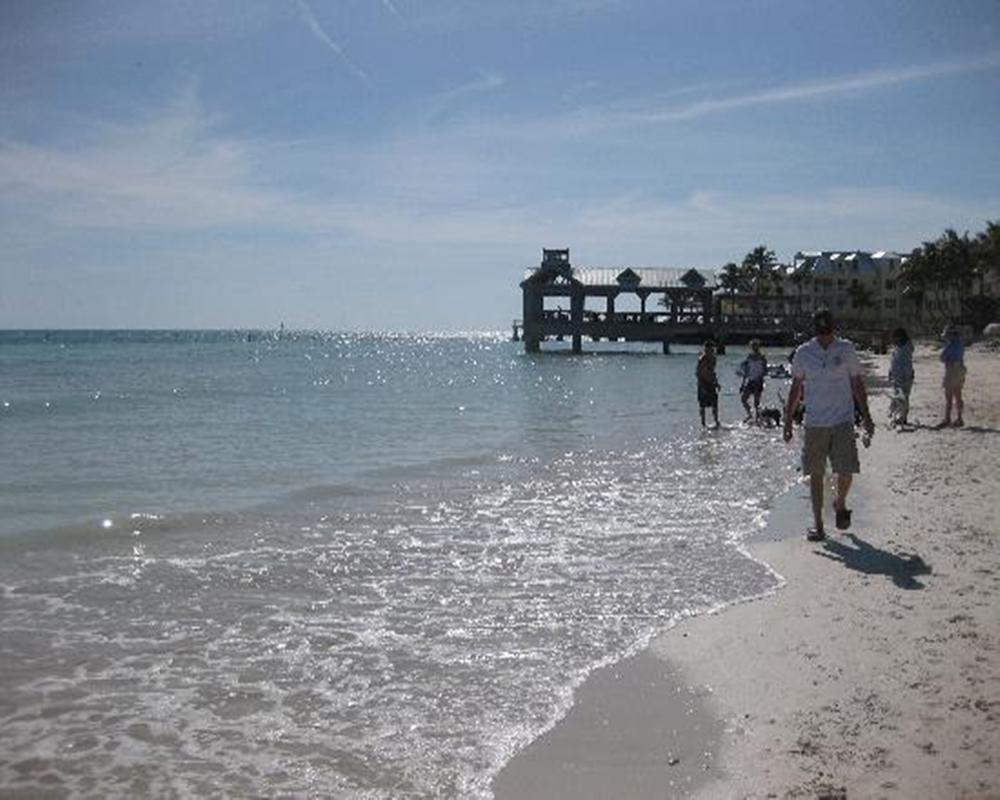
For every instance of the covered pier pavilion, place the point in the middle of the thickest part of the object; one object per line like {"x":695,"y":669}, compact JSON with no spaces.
{"x":682,"y":311}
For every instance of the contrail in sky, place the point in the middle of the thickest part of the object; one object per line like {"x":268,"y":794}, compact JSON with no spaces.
{"x":841,"y":85}
{"x":310,"y":19}
{"x":393,"y":10}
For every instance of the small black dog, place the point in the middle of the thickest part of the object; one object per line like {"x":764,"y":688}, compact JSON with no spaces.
{"x":771,"y":417}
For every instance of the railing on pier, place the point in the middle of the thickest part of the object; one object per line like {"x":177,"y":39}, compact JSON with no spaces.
{"x":682,"y":326}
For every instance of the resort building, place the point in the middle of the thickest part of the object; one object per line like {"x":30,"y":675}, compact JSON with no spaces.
{"x":866,"y":290}
{"x":856,"y":285}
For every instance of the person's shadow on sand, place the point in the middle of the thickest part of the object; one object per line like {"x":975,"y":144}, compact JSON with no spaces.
{"x":863,"y":557}
{"x":912,"y":427}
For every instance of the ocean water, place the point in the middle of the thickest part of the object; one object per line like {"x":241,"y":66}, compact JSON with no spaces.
{"x":341,"y":565}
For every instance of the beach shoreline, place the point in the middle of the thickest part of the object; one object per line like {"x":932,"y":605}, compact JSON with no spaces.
{"x":872,"y":672}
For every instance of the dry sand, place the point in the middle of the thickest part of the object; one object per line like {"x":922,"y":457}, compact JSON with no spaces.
{"x":874,"y":672}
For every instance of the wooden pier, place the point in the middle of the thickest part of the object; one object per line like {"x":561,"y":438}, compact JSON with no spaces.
{"x":685,"y":308}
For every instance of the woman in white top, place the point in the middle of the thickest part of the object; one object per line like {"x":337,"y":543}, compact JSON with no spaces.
{"x":753,"y":369}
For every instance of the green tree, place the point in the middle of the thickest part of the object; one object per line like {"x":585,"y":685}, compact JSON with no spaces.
{"x":958,"y":266}
{"x":800,"y":276}
{"x":920,"y":275}
{"x":986,"y":253}
{"x":954,"y":262}
{"x":734,"y":279}
{"x":761,"y":270}
{"x":981,"y":309}
{"x":862,"y":297}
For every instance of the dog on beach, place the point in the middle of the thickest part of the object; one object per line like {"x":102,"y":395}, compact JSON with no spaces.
{"x":770,"y":417}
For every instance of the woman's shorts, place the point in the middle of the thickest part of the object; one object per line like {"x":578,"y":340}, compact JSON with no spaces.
{"x":954,"y":376}
{"x":836,"y":444}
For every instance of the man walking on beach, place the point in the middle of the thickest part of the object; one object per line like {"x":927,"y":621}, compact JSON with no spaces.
{"x":827,"y":370}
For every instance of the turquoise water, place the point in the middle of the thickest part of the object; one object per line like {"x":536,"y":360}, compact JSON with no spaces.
{"x":342,"y":565}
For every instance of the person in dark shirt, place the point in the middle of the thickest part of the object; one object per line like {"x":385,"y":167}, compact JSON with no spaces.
{"x":708,"y":383}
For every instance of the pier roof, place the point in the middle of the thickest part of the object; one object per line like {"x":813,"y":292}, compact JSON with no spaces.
{"x":642,"y":277}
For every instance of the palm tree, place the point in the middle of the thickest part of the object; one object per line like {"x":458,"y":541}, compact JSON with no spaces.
{"x":919,"y":275}
{"x":954,"y":262}
{"x":733,"y":280}
{"x":760,"y":266}
{"x":958,"y":263}
{"x":985,"y":253}
{"x":798,"y":277}
{"x":862,"y":297}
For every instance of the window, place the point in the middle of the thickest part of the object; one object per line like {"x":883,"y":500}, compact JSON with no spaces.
{"x":890,"y":302}
{"x":890,"y":285}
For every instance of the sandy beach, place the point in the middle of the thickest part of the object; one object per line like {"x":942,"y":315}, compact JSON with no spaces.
{"x":873,"y":672}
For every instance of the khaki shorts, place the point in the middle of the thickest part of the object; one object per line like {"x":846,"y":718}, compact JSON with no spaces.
{"x":837,"y":443}
{"x":954,"y":377}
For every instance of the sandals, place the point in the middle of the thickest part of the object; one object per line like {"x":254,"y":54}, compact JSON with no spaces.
{"x":843,"y":518}
{"x":843,"y":523}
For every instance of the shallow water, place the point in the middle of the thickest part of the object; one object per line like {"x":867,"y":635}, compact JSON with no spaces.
{"x":342,"y":565}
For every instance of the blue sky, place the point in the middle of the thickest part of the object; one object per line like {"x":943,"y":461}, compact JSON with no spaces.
{"x":397,"y":164}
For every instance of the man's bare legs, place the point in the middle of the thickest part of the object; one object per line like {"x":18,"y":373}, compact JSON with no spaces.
{"x":843,"y":487}
{"x":816,"y":495}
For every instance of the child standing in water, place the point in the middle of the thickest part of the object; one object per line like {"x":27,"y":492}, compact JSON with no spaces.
{"x":708,"y":383}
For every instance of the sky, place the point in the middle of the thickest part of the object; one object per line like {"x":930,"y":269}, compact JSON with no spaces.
{"x":398,"y":164}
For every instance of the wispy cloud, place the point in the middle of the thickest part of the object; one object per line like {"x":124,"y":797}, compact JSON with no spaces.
{"x":313,"y":24}
{"x":812,"y":90}
{"x":589,"y":122}
{"x":707,"y":225}
{"x":485,"y":83}
{"x":391,"y":7}
{"x":175,"y":172}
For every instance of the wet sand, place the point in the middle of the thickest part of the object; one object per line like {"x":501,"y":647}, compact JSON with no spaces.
{"x":874,"y":671}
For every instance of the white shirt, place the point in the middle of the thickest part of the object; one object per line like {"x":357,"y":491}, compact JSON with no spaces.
{"x":827,"y":377}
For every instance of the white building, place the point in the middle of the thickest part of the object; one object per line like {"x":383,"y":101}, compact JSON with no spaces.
{"x":858,"y":286}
